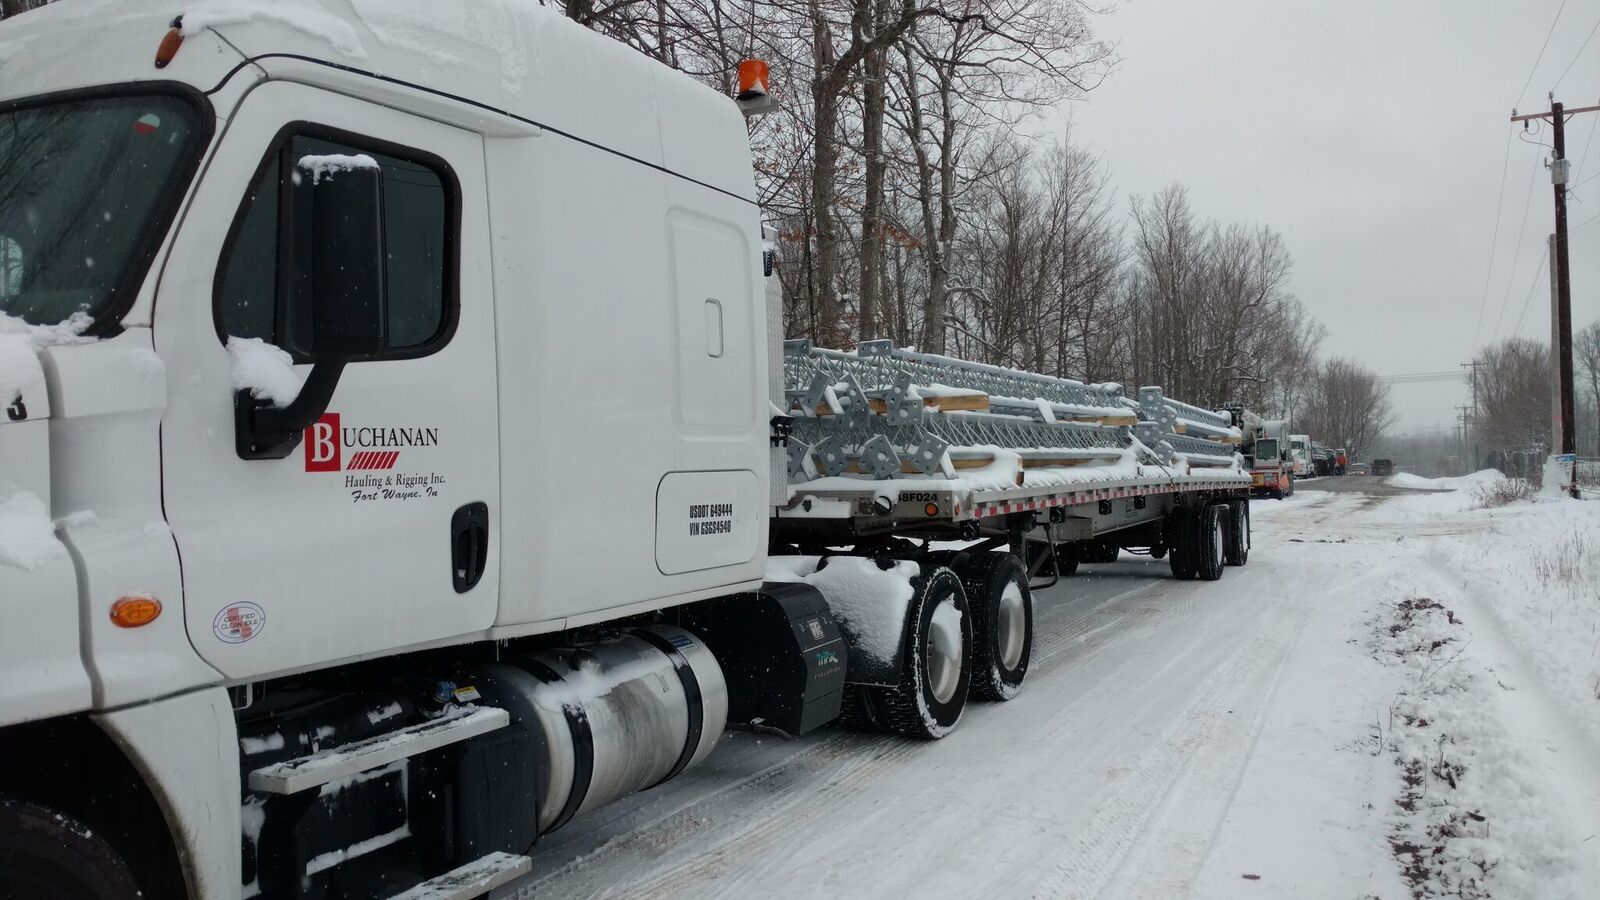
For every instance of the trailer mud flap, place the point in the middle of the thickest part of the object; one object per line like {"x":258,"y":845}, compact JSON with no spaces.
{"x":781,"y":654}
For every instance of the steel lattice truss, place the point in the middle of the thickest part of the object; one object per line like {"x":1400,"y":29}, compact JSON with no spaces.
{"x":866,"y":412}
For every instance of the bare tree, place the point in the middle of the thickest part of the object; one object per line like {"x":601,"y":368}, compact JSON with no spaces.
{"x":1514,"y":394}
{"x":1586,"y":353}
{"x":1347,"y":406}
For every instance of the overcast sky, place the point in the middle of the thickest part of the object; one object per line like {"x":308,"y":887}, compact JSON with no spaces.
{"x":1373,"y":135}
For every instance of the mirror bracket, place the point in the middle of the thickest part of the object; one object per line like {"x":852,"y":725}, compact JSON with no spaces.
{"x":264,"y":431}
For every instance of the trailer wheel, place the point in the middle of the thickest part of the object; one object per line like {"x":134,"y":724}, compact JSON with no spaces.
{"x":46,"y":855}
{"x":1238,"y":532}
{"x":1158,"y":551}
{"x":1181,"y":544}
{"x":1209,"y":542}
{"x":1002,"y":622}
{"x":937,"y":673}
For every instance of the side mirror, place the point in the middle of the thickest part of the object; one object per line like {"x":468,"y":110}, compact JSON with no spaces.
{"x":335,"y":264}
{"x":339,"y":255}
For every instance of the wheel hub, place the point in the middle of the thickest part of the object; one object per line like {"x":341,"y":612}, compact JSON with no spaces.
{"x":1011,"y":627}
{"x":944,"y":651}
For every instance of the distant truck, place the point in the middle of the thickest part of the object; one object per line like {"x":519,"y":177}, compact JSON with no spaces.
{"x":1383,"y":467}
{"x":1300,"y":455}
{"x":1264,"y":450}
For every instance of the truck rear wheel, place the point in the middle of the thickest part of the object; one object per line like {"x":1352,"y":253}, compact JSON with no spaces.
{"x":1238,"y":533}
{"x":936,"y":673}
{"x":46,"y":855}
{"x":1002,"y":622}
{"x":1209,"y":542}
{"x":1180,"y":543}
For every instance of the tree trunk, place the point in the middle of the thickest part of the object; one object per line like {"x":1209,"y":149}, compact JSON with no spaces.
{"x":824,"y":176}
{"x":876,"y":72}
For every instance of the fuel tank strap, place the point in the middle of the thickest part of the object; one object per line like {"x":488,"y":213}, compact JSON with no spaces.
{"x":582,"y":746}
{"x":691,"y":694}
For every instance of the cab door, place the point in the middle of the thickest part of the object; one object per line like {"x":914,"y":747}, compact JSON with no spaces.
{"x":376,"y":529}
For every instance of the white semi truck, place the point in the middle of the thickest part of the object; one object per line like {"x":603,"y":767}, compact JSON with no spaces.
{"x":396,"y":461}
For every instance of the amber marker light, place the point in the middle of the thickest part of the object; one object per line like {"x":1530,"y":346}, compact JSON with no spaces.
{"x":132,"y":612}
{"x":170,"y":44}
{"x":752,"y":79}
{"x":931,"y":509}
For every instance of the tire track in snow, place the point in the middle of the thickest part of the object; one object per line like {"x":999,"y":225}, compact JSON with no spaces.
{"x":1123,"y":823}
{"x":1094,"y":855}
{"x":792,"y":812}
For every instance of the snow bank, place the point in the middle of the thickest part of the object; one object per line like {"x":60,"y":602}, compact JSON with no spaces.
{"x":264,"y":370}
{"x":868,"y":602}
{"x":327,"y":165}
{"x":1480,"y":479}
{"x":302,"y":16}
{"x":27,"y":536}
{"x":1540,"y":577}
{"x":1471,"y":819}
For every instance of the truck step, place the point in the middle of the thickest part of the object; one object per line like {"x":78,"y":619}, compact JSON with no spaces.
{"x":474,"y":879}
{"x":304,"y":772}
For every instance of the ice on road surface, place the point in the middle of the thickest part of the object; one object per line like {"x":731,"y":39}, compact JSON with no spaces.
{"x":1265,"y":735}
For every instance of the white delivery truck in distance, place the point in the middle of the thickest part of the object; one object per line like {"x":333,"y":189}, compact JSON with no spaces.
{"x":388,"y":470}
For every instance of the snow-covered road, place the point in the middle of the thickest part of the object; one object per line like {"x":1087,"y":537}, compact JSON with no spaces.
{"x":1228,"y":739}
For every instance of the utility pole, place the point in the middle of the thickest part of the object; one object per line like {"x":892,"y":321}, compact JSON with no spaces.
{"x":1558,"y":178}
{"x":1475,"y":412}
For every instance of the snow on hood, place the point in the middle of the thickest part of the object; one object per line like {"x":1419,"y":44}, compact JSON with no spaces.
{"x":20,"y":343}
{"x":27,"y":536}
{"x":264,"y":370}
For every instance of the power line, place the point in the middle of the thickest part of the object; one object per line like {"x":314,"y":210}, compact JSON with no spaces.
{"x":1494,"y":244}
{"x":1575,"y":57}
{"x":1516,"y":256}
{"x":1531,"y":288}
{"x":1542,"y":48}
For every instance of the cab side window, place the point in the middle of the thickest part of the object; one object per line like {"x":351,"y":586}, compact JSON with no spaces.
{"x":419,"y":201}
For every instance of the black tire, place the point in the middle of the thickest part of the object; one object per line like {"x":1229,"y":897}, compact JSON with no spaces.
{"x":1180,"y":543}
{"x":1209,"y":542}
{"x":1002,"y":622}
{"x":1237,"y":549}
{"x":913,"y":709}
{"x":47,"y":855}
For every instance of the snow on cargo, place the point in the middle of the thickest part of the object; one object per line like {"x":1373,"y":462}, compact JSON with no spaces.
{"x":27,"y":536}
{"x":329,"y":164}
{"x":265,"y":370}
{"x":301,"y":15}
